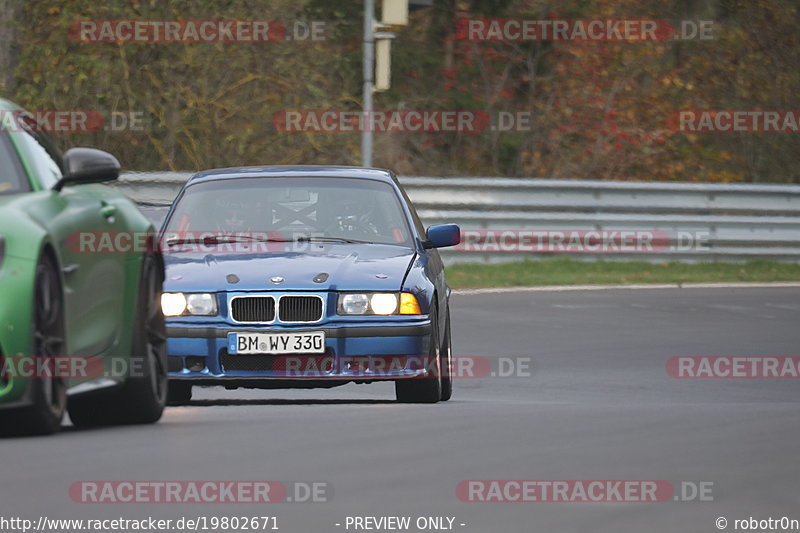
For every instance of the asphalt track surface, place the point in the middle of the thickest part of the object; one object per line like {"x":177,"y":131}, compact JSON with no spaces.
{"x":598,"y":404}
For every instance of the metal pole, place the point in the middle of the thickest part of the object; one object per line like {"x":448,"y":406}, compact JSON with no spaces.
{"x":369,"y":69}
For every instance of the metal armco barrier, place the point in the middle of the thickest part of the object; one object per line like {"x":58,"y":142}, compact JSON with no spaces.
{"x":509,"y":219}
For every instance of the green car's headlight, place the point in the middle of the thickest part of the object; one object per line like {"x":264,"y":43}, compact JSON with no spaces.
{"x":378,"y":303}
{"x":178,"y":303}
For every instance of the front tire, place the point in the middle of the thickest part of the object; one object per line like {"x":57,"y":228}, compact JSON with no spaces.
{"x":142,"y":398}
{"x":179,"y":393}
{"x":426,"y":389}
{"x":447,"y":362}
{"x":48,"y":391}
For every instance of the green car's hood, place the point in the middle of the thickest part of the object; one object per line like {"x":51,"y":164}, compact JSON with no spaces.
{"x":6,"y":199}
{"x":18,"y":226}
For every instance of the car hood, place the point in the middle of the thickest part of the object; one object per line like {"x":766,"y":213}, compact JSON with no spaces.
{"x":7,"y":199}
{"x":348,"y":267}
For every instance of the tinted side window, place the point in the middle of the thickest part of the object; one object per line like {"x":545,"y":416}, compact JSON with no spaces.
{"x":12,"y":176}
{"x":42,"y":154}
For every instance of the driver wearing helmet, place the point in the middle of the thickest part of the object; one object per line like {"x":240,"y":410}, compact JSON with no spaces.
{"x":232,"y":215}
{"x":353,"y":214}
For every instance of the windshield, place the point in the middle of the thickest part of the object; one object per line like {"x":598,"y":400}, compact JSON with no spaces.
{"x":322,"y":209}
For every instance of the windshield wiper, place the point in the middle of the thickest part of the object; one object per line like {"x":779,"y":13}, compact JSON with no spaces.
{"x":332,"y":239}
{"x":225,"y":239}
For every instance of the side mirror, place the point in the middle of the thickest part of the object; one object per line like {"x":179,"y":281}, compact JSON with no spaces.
{"x":88,"y":165}
{"x":442,"y":235}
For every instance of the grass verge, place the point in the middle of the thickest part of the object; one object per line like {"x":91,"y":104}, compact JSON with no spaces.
{"x":564,"y":271}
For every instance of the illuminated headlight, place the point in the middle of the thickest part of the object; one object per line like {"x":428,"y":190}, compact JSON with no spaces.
{"x":177,"y":303}
{"x":173,"y":303}
{"x":378,"y":303}
{"x":201,"y":304}
{"x":383,"y":303}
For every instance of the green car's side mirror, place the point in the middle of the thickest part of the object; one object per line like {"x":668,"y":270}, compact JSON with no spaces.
{"x":88,"y":165}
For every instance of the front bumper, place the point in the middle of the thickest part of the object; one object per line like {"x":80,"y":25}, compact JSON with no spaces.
{"x":373,"y":351}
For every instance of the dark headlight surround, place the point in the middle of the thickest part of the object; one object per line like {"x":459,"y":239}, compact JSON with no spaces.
{"x":405,"y":303}
{"x":368,"y":310}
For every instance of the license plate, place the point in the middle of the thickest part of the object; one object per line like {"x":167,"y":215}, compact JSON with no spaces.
{"x":276,"y":343}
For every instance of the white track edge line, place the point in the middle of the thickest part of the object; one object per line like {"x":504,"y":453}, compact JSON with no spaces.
{"x":568,"y":288}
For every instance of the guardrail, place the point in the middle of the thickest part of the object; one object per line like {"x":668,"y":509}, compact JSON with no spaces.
{"x":509,"y":219}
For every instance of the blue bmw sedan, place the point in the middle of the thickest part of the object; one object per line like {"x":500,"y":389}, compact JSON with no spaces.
{"x":304,"y":276}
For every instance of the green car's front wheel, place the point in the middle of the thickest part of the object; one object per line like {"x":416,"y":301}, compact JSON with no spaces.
{"x":142,"y":398}
{"x":146,"y":395}
{"x":48,"y":391}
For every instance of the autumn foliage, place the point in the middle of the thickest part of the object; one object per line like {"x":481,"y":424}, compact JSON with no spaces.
{"x":596,"y":109}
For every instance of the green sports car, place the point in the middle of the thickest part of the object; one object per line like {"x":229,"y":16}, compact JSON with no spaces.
{"x":81,"y":327}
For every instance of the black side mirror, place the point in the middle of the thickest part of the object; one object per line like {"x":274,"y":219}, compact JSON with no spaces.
{"x":88,"y":165}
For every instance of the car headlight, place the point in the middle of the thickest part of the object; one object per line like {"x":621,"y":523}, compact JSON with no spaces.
{"x":378,"y":303}
{"x":178,"y":303}
{"x":201,"y":304}
{"x":353,"y":304}
{"x":383,"y":303}
{"x":173,"y":303}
